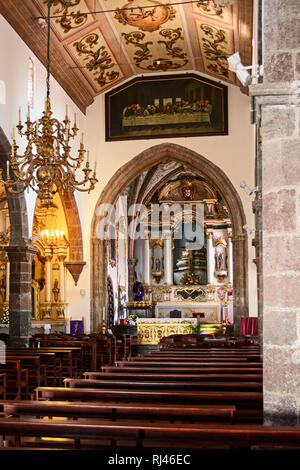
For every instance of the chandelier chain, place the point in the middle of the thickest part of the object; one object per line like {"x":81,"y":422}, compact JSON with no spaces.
{"x":48,"y":51}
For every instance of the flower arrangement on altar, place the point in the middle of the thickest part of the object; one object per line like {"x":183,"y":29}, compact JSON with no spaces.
{"x":5,"y":315}
{"x":132,"y":318}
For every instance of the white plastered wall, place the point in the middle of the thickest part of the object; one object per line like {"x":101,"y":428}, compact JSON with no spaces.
{"x":234,"y":153}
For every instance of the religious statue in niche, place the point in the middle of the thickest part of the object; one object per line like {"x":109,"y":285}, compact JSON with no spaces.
{"x":56,"y":290}
{"x":157,"y":260}
{"x":139,"y":291}
{"x":220,"y":263}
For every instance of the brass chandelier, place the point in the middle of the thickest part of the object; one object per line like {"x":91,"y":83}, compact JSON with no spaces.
{"x":47,"y":165}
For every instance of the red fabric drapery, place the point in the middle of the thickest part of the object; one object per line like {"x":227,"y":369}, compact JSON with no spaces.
{"x":249,"y":326}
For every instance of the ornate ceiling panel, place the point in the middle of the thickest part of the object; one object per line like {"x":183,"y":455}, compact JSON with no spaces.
{"x":95,"y":44}
{"x":153,"y":37}
{"x":93,"y":55}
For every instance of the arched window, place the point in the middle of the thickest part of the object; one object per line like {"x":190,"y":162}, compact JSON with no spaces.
{"x":2,"y":92}
{"x":30,"y":85}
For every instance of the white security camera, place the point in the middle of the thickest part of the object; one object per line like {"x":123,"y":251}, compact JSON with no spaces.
{"x":42,"y":22}
{"x":236,"y":66}
{"x":248,"y":190}
{"x":248,"y":229}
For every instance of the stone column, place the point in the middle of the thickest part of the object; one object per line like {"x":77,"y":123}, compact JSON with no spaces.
{"x":210,"y":258}
{"x":48,"y":285}
{"x":240,"y":294}
{"x":20,"y":307}
{"x":168,"y":271}
{"x":276,"y":110}
{"x":230,"y":260}
{"x":146,"y":260}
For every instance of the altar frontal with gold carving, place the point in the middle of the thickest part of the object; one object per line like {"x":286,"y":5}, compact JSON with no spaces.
{"x":151,"y":332}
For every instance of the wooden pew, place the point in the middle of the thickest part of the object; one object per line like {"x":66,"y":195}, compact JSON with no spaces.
{"x":3,"y":385}
{"x":155,"y":435}
{"x":215,"y":369}
{"x":117,"y":410}
{"x":161,"y":377}
{"x":50,"y":360}
{"x":207,"y":357}
{"x":37,"y":373}
{"x":184,"y":359}
{"x":145,"y":384}
{"x":195,"y":364}
{"x":16,"y":379}
{"x":239,"y":399}
{"x":69,"y":358}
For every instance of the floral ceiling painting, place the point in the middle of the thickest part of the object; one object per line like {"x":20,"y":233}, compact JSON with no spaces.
{"x":103,"y":42}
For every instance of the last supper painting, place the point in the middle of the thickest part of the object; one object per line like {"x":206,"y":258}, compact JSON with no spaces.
{"x":175,"y":105}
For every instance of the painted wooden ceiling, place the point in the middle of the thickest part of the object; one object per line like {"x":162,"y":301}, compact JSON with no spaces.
{"x":97,"y":44}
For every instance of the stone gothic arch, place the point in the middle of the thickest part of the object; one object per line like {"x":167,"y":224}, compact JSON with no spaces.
{"x":215,"y":176}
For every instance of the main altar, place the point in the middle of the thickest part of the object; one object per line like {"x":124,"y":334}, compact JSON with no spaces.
{"x":187,"y":269}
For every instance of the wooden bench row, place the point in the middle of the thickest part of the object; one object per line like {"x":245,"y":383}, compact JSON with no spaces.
{"x":145,"y":384}
{"x":16,"y":381}
{"x":3,"y":385}
{"x":117,"y":410}
{"x":152,"y":435}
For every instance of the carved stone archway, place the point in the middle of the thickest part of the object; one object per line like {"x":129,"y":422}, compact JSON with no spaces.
{"x":215,"y":176}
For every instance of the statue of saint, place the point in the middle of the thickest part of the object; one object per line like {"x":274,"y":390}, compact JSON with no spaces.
{"x":157,"y":265}
{"x":139,"y":291}
{"x":220,"y":261}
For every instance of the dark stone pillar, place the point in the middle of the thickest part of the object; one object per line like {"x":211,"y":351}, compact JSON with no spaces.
{"x":20,"y":306}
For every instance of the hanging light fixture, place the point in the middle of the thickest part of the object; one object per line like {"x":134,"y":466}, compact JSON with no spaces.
{"x":47,"y":165}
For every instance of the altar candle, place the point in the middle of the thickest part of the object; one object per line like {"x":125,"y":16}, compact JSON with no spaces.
{"x":103,"y":313}
{"x":88,"y":157}
{"x":95,"y":167}
{"x":66,"y":112}
{"x":20,"y":115}
{"x":28,"y":112}
{"x":82,"y":136}
{"x":7,"y":169}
